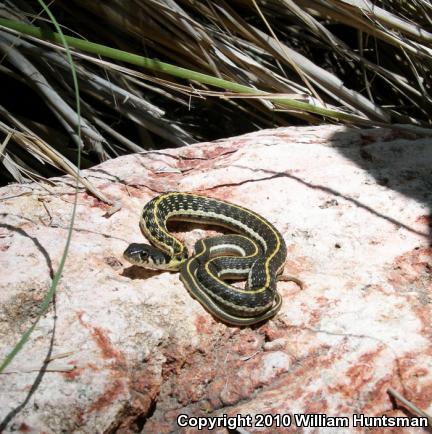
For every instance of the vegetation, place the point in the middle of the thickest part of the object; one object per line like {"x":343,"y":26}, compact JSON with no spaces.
{"x":209,"y":69}
{"x":160,"y":73}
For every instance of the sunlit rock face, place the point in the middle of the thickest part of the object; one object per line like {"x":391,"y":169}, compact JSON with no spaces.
{"x":130,"y":350}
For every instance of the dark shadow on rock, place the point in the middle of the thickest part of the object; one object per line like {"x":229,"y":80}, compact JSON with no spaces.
{"x":396,"y":405}
{"x":397,"y":160}
{"x":41,"y":373}
{"x":270,"y":174}
{"x":35,"y":241}
{"x":136,"y":272}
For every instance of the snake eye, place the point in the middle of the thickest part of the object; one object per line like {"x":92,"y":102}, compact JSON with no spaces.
{"x":146,"y":256}
{"x":143,"y":255}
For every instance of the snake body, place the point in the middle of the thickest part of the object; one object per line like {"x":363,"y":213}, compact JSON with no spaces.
{"x":203,"y":273}
{"x":202,"y":276}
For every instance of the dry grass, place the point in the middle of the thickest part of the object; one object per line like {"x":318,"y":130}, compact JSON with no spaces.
{"x":297,"y":61}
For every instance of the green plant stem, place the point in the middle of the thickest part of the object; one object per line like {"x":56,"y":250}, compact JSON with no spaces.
{"x":175,"y":71}
{"x":43,"y":308}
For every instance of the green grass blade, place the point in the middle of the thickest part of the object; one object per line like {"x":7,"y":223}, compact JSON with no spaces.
{"x":50,"y":294}
{"x":175,"y":71}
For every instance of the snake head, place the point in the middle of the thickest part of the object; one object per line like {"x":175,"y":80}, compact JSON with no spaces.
{"x":147,"y":256}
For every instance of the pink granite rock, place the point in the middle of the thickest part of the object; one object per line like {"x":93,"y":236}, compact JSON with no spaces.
{"x":124,"y":350}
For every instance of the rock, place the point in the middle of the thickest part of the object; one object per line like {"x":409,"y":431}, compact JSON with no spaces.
{"x":128,"y":350}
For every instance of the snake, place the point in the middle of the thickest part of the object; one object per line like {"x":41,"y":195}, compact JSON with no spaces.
{"x":256,"y":250}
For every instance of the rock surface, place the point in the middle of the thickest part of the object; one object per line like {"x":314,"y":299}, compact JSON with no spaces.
{"x":125,"y":350}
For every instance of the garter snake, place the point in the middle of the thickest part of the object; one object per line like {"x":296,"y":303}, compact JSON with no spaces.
{"x":261,"y":249}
